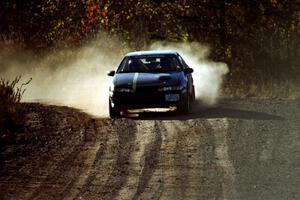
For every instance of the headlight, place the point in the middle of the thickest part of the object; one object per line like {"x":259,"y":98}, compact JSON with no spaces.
{"x":122,"y":90}
{"x":170,"y":88}
{"x":113,"y":89}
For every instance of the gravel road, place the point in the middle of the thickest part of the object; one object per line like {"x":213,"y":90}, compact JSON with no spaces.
{"x":241,"y":149}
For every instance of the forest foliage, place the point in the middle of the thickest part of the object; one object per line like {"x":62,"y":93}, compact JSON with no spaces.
{"x":258,"y":39}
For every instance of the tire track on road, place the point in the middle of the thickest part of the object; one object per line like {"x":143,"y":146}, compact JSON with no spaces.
{"x":151,"y":159}
{"x":95,"y":154}
{"x":222,"y":158}
{"x":126,"y":137}
{"x":69,"y":169}
{"x":110,"y":171}
{"x":175,"y":162}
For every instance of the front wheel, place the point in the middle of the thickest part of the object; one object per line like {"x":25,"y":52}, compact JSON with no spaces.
{"x":193,"y":95}
{"x":114,"y":112}
{"x":185,"y":106}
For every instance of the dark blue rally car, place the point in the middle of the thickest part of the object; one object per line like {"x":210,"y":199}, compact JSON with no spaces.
{"x":151,"y":79}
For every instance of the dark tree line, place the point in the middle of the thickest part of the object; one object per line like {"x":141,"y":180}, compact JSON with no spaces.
{"x":258,"y":39}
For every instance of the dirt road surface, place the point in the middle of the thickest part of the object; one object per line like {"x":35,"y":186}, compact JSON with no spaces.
{"x":240,"y":149}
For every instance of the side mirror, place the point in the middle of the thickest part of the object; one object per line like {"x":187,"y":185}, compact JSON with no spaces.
{"x":111,"y":73}
{"x":188,"y":70}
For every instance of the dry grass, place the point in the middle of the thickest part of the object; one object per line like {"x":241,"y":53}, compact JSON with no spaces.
{"x":288,"y":89}
{"x":11,"y":111}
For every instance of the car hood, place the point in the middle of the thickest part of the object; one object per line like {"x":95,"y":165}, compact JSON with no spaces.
{"x":147,"y":79}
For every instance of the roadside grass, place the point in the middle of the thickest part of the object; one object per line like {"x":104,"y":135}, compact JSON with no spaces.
{"x":12,"y":112}
{"x":288,"y":88}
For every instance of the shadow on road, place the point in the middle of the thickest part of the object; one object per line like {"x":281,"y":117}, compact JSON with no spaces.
{"x":209,"y":113}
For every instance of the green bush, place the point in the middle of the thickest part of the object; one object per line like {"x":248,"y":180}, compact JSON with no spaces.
{"x":11,"y":111}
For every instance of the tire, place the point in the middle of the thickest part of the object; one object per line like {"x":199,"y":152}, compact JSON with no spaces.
{"x":185,"y":106}
{"x":193,"y":99}
{"x":114,"y":112}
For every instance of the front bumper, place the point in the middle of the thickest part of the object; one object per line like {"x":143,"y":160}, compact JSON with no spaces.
{"x":145,"y":100}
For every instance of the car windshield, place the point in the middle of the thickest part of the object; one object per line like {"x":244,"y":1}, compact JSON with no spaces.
{"x":150,"y":64}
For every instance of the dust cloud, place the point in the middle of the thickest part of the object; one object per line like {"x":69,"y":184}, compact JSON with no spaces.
{"x":77,"y":77}
{"x":74,"y":77}
{"x":208,"y":75}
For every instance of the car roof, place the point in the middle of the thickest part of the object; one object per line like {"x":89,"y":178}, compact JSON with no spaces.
{"x":154,"y":52}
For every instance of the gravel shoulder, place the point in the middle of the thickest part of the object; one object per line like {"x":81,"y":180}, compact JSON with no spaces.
{"x":241,"y":149}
